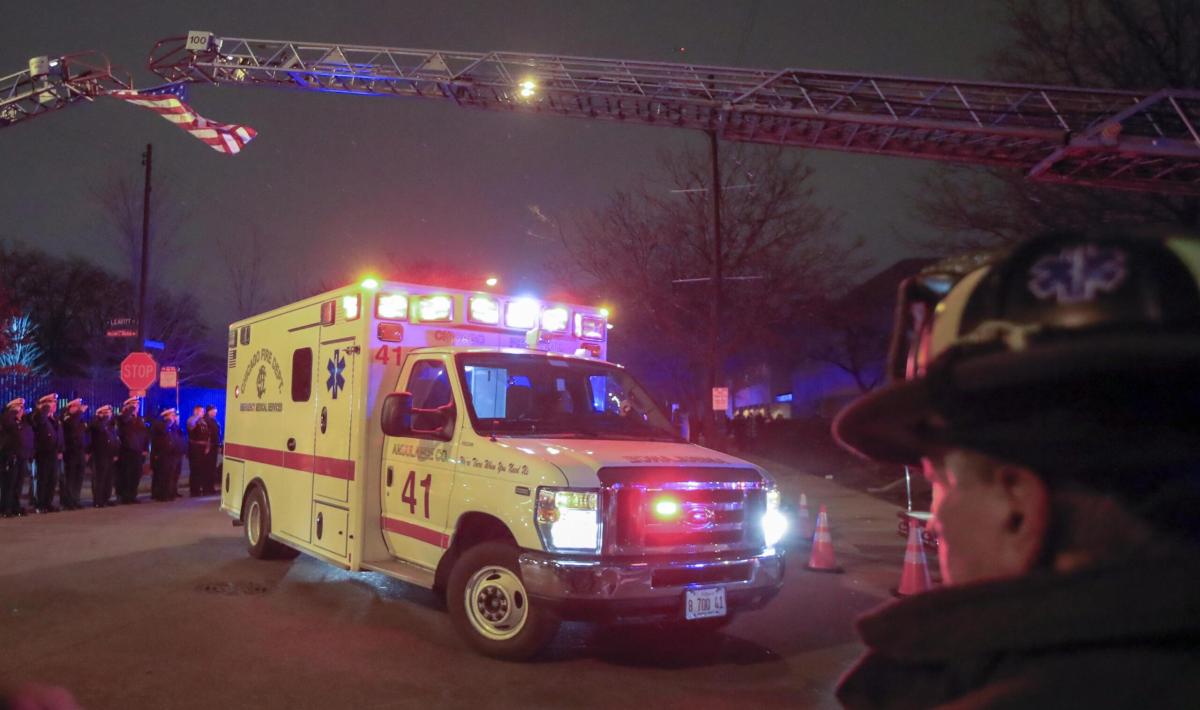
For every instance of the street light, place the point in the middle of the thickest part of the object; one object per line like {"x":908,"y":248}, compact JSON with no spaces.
{"x":527,"y":88}
{"x":492,"y":281}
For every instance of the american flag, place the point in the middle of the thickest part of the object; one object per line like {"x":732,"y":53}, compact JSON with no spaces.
{"x":168,"y":101}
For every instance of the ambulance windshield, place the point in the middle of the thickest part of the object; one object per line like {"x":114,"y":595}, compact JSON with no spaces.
{"x":535,"y":395}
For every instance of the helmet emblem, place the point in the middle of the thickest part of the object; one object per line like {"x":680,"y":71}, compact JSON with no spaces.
{"x":1078,"y":274}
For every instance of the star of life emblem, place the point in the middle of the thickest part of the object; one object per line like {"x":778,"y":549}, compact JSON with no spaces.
{"x":335,"y":366}
{"x":1078,"y":274}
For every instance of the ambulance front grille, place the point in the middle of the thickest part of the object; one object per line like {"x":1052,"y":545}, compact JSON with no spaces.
{"x":670,"y":511}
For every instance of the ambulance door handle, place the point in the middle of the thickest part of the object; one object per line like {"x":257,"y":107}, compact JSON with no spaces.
{"x":389,"y":478}
{"x":291,"y":444}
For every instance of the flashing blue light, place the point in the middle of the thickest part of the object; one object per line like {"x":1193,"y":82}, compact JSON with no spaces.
{"x":154,"y":344}
{"x":785,"y":397}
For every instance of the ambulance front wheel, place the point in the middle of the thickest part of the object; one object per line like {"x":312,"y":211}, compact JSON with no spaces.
{"x":256,"y":514}
{"x":490,"y":607}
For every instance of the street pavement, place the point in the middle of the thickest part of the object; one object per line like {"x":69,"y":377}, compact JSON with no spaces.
{"x":157,"y":605}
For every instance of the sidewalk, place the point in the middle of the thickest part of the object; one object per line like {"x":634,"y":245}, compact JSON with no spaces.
{"x":85,"y":497}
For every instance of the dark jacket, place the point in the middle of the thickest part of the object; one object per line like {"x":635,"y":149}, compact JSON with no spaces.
{"x":18,"y":436}
{"x":48,"y":434}
{"x":1106,"y":637}
{"x":104,"y":439}
{"x":132,"y":430}
{"x":74,"y":430}
{"x":166,"y":441}
{"x":214,"y":435}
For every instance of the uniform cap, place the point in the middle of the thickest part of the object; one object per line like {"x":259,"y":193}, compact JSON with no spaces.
{"x":47,"y":399}
{"x":166,"y":413}
{"x":74,"y":402}
{"x":18,"y":403}
{"x":104,"y":409}
{"x":131,"y":402}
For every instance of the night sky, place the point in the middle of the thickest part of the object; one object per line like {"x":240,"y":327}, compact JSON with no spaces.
{"x":335,"y":182}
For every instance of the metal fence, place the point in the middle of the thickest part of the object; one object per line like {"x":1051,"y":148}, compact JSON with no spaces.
{"x":96,"y":392}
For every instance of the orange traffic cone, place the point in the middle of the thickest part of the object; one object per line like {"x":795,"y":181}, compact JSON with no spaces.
{"x":804,"y":529}
{"x":915,"y":577}
{"x":821,"y":559}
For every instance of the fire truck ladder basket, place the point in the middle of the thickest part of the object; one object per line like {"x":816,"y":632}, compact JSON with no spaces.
{"x":52,"y":83}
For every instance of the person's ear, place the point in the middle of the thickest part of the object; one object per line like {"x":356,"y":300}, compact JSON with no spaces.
{"x":1028,"y":502}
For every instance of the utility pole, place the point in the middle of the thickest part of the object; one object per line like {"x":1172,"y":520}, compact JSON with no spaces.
{"x":141,"y":329}
{"x":715,"y":306}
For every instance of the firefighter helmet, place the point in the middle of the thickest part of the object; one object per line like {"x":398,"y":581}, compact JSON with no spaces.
{"x":1072,"y":351}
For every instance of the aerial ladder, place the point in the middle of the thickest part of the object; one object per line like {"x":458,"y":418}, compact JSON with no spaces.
{"x":53,"y":83}
{"x":1128,"y":140}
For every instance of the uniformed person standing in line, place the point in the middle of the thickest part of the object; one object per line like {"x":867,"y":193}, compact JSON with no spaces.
{"x":166,"y":448}
{"x":74,"y":430}
{"x":212,"y":474}
{"x":132,"y":430}
{"x":179,"y":447}
{"x":197,"y":451}
{"x":18,"y":450}
{"x":106,"y":446}
{"x":5,"y":468}
{"x":159,"y":446}
{"x":48,"y":451}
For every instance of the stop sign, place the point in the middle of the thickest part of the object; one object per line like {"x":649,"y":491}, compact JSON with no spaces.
{"x":138,"y":371}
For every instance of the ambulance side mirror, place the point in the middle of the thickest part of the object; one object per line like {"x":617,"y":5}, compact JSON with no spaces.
{"x":397,"y":414}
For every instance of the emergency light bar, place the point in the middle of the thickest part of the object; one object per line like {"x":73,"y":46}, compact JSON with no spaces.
{"x":393,"y":303}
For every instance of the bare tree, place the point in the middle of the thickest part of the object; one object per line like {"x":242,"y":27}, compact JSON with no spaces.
{"x":244,"y":259}
{"x":650,"y":252}
{"x":1127,"y":44}
{"x":120,"y":201}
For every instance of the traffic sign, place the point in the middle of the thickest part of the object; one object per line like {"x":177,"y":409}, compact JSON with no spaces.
{"x":138,"y":371}
{"x":168,"y":377}
{"x":121,"y":328}
{"x":720,"y":399}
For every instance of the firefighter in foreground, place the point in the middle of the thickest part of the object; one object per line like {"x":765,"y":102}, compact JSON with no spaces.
{"x":1053,"y":406}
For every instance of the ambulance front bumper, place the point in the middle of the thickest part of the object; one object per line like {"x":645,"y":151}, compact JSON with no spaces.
{"x":647,"y":588}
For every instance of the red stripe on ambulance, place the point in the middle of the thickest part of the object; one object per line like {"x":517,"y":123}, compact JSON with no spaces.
{"x":320,"y":465}
{"x":416,"y":532}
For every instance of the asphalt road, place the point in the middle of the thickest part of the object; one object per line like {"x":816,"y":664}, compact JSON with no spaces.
{"x":158,"y":606}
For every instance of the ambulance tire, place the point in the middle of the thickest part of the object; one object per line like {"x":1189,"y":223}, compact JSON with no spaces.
{"x":257,"y":524}
{"x":486,"y":598}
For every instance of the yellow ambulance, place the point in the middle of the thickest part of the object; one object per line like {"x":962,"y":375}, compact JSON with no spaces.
{"x":479,"y":445}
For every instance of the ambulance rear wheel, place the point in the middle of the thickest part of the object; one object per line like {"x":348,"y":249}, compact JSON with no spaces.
{"x":257,"y":524}
{"x":490,"y":607}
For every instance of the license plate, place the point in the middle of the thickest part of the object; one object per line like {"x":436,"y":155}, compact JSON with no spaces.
{"x":704,"y":603}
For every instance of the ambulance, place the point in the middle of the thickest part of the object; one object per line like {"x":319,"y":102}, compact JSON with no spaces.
{"x":479,"y":445}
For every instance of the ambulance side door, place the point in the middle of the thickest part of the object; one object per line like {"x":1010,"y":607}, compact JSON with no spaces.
{"x":336,"y":393}
{"x":418,"y":470}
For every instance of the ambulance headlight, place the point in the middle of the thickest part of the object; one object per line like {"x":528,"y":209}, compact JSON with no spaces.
{"x":589,"y":327}
{"x":391,"y":306}
{"x":568,"y":519}
{"x":774,"y":522}
{"x":435,"y":308}
{"x":554,"y":320}
{"x":483,"y":310}
{"x":522,"y":314}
